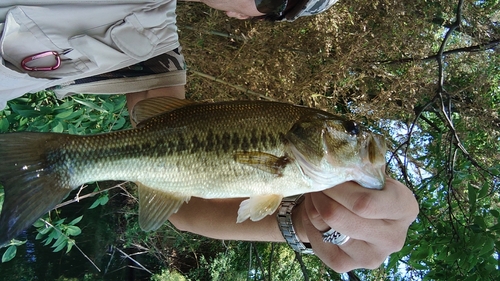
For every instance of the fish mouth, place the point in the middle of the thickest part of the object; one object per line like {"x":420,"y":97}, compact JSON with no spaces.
{"x":373,"y":151}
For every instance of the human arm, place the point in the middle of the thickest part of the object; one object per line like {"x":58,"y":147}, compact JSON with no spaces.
{"x":376,"y":220}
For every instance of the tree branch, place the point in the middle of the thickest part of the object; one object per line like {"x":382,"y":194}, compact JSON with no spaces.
{"x":491,"y":45}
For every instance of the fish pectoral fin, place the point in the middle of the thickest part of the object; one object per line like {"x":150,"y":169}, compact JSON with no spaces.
{"x":148,"y":108}
{"x":156,"y":206}
{"x":257,"y":207}
{"x":263,"y":161}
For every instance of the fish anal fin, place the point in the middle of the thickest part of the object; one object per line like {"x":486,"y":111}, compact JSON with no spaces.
{"x":156,"y":206}
{"x":257,"y":207}
{"x":151,"y":107}
{"x":263,"y":161}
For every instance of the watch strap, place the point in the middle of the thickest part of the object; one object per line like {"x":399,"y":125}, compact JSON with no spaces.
{"x":285,"y":224}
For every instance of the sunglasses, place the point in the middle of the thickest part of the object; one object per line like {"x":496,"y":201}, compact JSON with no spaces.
{"x":273,"y":8}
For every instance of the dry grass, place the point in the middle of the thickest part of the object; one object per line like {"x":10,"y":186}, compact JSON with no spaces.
{"x":320,"y":61}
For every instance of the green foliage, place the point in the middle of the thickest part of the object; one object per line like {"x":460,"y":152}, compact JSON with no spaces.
{"x":11,"y":251}
{"x":58,"y":232}
{"x":166,"y":275}
{"x":372,"y":59}
{"x":101,"y":200}
{"x":42,"y":112}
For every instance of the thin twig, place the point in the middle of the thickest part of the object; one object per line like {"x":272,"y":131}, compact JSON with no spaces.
{"x":214,"y":32}
{"x":259,"y":261}
{"x":271,"y":262}
{"x":78,"y":198}
{"x":133,"y":260}
{"x":240,"y":88}
{"x":303,"y":267}
{"x":60,"y":232}
{"x":491,"y":45}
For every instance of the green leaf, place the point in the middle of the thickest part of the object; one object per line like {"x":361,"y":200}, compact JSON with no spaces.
{"x":472,"y":192}
{"x":100,"y":201}
{"x":488,"y":246}
{"x":16,"y":242}
{"x":4,"y":124}
{"x":39,"y":223}
{"x":495,"y":213}
{"x":77,"y":220}
{"x":44,"y":230}
{"x":418,"y":266}
{"x":39,"y":236}
{"x":9,"y":254}
{"x":24,"y":110}
{"x":59,"y":128}
{"x":73,"y":230}
{"x":60,"y":247}
{"x":393,"y":260}
{"x":71,"y":242}
{"x":61,"y":240}
{"x":95,"y":204}
{"x":63,"y":115}
{"x":484,"y":190}
{"x":420,"y":254}
{"x":59,"y":222}
{"x":104,"y":200}
{"x":119,"y":124}
{"x":89,"y":104}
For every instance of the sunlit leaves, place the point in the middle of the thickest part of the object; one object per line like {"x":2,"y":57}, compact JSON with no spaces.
{"x":58,"y":233}
{"x":102,"y":200}
{"x":11,"y":250}
{"x":9,"y":254}
{"x":42,"y":112}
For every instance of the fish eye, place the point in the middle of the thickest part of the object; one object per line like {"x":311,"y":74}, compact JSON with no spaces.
{"x":351,"y":127}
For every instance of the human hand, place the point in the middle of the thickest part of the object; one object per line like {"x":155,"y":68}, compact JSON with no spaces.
{"x":376,"y":221}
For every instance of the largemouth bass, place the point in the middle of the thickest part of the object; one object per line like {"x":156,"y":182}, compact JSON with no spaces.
{"x":259,"y":150}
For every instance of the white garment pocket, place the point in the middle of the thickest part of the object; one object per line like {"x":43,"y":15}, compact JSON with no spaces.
{"x":22,"y":37}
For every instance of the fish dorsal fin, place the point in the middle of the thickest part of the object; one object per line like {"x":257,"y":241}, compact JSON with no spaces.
{"x":156,"y":206}
{"x":257,"y":207}
{"x":148,"y":108}
{"x":263,"y":161}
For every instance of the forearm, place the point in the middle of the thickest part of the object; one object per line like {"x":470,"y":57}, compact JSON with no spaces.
{"x":216,"y":218}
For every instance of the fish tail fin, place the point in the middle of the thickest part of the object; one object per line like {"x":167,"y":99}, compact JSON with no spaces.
{"x":31,"y":188}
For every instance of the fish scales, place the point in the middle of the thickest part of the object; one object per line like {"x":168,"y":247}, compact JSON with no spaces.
{"x":170,"y":146}
{"x":256,"y":149}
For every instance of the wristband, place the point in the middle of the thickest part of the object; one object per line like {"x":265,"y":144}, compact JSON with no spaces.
{"x":285,"y":224}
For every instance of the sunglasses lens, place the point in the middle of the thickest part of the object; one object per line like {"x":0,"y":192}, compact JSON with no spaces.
{"x":268,"y":7}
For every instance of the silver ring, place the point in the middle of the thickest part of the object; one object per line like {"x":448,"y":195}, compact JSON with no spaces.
{"x":335,"y":237}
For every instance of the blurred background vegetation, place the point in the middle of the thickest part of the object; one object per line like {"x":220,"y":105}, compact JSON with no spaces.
{"x":381,"y":62}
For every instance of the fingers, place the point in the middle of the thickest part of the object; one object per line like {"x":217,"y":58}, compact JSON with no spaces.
{"x":376,"y":220}
{"x":325,"y":213}
{"x":351,"y":255}
{"x":394,"y":202}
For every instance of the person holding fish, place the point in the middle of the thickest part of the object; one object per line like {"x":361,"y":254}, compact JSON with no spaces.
{"x":242,"y":170}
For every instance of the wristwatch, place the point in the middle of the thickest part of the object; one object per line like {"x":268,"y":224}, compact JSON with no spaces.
{"x":286,"y":226}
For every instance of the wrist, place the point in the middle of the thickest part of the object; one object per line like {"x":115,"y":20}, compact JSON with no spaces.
{"x":297,"y":221}
{"x":287,"y":227}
